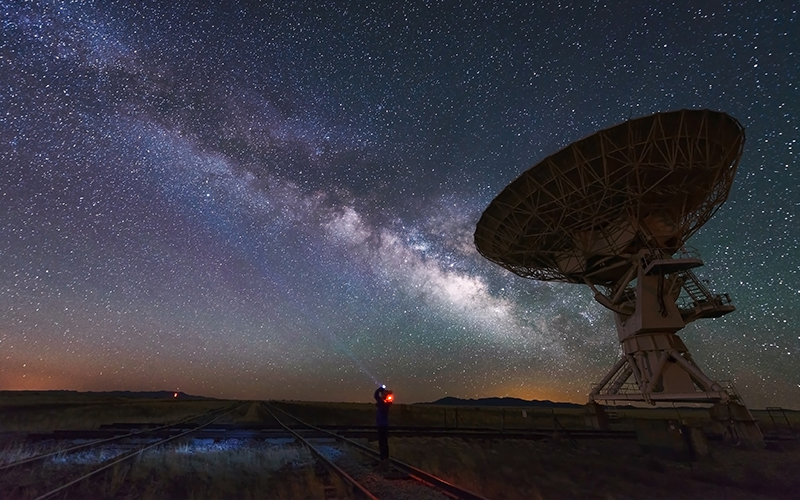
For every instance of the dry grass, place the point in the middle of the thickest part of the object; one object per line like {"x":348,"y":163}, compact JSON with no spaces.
{"x":43,"y":413}
{"x":436,"y":416}
{"x":506,"y":469}
{"x":14,"y":451}
{"x":231,"y":469}
{"x":511,"y":469}
{"x":201,"y":469}
{"x":514,"y":419}
{"x":40,"y":412}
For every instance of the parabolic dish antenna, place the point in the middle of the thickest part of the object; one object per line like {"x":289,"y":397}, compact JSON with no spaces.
{"x":613,"y":211}
{"x":648,"y":183}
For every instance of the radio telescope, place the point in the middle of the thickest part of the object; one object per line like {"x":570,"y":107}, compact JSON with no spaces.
{"x":613,"y":211}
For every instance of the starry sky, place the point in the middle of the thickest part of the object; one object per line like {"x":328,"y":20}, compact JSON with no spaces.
{"x":278,"y":199}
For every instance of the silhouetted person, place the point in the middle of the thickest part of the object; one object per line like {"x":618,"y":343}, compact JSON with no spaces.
{"x":383,"y":400}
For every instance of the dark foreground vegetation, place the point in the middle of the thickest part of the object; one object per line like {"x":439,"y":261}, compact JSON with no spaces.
{"x":557,"y":467}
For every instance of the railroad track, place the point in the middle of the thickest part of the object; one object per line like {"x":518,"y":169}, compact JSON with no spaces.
{"x":124,"y":456}
{"x":342,"y":458}
{"x":103,"y":438}
{"x":369,"y":485}
{"x":267,"y":431}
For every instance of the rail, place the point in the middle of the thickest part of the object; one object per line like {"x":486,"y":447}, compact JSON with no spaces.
{"x":128,"y":456}
{"x":417,"y":474}
{"x":36,"y":458}
{"x":329,"y":463}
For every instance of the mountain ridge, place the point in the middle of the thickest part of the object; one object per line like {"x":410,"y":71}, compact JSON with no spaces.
{"x":499,"y":402}
{"x":112,"y":394}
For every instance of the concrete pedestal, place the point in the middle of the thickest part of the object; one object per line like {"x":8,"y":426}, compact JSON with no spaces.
{"x":595,"y":416}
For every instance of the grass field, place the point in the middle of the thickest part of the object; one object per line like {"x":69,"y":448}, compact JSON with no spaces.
{"x":465,"y":417}
{"x":44,"y":411}
{"x":556,"y":468}
{"x":514,"y":469}
{"x":198,"y":469}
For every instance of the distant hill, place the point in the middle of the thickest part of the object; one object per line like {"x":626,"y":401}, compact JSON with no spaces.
{"x":510,"y":402}
{"x":106,"y":394}
{"x":146,"y":394}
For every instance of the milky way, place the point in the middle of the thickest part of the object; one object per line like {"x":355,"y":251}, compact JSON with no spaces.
{"x":278,"y":201}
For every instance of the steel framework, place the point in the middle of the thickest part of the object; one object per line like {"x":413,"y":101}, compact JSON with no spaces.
{"x":613,"y":211}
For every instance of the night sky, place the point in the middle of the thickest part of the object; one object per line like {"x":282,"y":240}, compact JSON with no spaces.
{"x":279,"y":200}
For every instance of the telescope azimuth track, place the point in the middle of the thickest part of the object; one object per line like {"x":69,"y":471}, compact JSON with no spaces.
{"x":613,"y":211}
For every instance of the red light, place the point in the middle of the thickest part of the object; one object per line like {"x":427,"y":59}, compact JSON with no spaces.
{"x":175,"y":395}
{"x":389,"y":398}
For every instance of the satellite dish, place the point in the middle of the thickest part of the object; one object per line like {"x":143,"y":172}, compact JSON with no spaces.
{"x":614,"y":211}
{"x":646,"y":184}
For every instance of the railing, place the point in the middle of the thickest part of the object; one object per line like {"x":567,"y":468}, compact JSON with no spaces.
{"x":687,"y":253}
{"x":624,"y":388}
{"x":698,"y":293}
{"x":730,"y":389}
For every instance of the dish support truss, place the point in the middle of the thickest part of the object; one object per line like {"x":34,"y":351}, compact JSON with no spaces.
{"x":658,"y":296}
{"x":613,"y":210}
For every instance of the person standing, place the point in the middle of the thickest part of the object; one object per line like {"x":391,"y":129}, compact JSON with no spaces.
{"x":383,"y":400}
